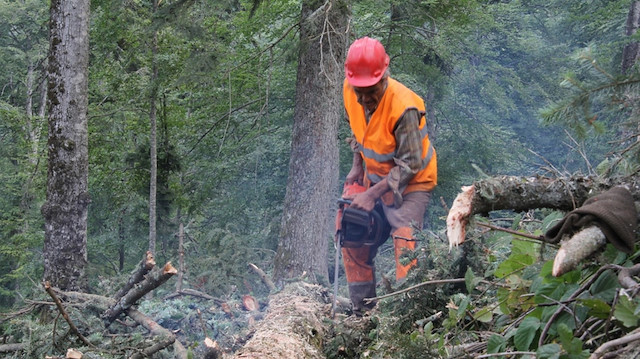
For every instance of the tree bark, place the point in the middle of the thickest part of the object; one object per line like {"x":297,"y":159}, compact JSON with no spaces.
{"x":631,"y":51}
{"x":66,"y":206}
{"x":525,"y":193}
{"x":13,"y":347}
{"x":313,"y":165}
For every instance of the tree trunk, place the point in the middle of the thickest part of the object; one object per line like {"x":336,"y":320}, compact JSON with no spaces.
{"x":631,"y":50}
{"x":153,"y":176}
{"x":313,"y":166}
{"x":65,"y":210}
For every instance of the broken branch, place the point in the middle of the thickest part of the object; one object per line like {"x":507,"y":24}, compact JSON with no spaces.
{"x":167,"y":337}
{"x":74,"y":329}
{"x":152,"y":281}
{"x":439,"y":281}
{"x":14,"y":347}
{"x":624,"y":277}
{"x":604,"y":348}
{"x":145,"y":266}
{"x":267,"y":281}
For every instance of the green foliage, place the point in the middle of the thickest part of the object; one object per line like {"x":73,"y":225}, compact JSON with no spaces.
{"x":225,"y":92}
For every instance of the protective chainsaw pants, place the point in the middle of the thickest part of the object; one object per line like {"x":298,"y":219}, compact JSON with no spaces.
{"x":359,"y":262}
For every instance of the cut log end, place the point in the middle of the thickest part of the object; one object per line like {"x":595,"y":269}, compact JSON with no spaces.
{"x":582,"y":245}
{"x":169,"y":269}
{"x":212,"y":349}
{"x":458,"y":216}
{"x":558,"y":263}
{"x":149,"y":261}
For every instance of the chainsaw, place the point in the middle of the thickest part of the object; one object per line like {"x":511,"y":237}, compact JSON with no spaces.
{"x":356,"y":228}
{"x":360,"y":228}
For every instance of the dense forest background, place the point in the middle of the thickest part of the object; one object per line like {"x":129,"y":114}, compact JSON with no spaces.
{"x":512,"y":87}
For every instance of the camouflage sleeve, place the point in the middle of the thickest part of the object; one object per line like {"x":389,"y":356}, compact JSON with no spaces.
{"x":408,"y":158}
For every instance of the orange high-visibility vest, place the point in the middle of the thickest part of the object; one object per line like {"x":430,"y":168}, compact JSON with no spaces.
{"x":376,"y":140}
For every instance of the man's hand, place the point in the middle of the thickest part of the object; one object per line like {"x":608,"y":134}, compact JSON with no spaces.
{"x":364,"y":201}
{"x":367,"y":200}
{"x":356,"y":175}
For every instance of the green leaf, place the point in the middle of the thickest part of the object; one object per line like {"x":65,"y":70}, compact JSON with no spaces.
{"x":526,"y":333}
{"x":514,"y":263}
{"x":462,"y":308}
{"x":597,"y":308}
{"x":484,"y":315}
{"x":527,"y":248}
{"x":605,"y":286}
{"x":551,"y":220}
{"x":496,"y":343}
{"x":566,"y":335}
{"x":470,"y":280}
{"x":624,"y":312}
{"x":549,"y":351}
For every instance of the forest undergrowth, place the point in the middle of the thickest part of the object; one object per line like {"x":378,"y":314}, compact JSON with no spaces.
{"x":492,"y":295}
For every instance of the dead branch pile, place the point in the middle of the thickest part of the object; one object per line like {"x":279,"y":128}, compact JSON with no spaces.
{"x":144,"y":280}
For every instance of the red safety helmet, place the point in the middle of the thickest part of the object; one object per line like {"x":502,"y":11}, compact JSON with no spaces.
{"x":366,"y":62}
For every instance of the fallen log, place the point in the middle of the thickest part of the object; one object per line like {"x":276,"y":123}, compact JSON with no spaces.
{"x":293,"y":325}
{"x":526,"y":193}
{"x":166,"y":337}
{"x":13,"y":347}
{"x":152,"y":281}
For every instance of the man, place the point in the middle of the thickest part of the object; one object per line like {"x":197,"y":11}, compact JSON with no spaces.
{"x":393,"y":159}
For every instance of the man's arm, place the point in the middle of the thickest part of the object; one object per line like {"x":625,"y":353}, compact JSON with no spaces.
{"x":356,"y":174}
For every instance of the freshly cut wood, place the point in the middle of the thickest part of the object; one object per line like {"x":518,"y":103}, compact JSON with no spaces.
{"x":250,"y":303}
{"x":293,"y":325}
{"x":152,"y":281}
{"x":212,"y":349}
{"x":458,"y":216}
{"x":73,"y":354}
{"x":577,"y":248}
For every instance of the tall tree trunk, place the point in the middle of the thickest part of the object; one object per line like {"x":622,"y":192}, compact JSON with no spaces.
{"x":153,"y":177}
{"x":33,"y":125}
{"x":631,"y":51}
{"x":313,"y":166}
{"x":65,"y":210}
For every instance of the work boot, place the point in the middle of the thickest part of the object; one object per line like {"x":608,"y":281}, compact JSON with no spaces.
{"x":357,"y":293}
